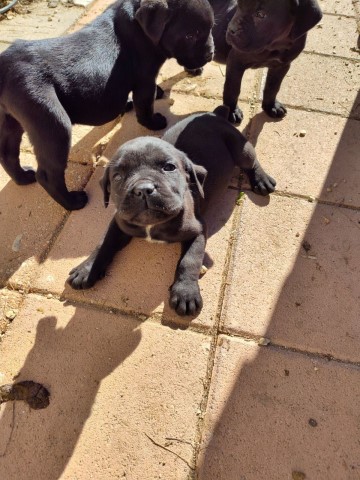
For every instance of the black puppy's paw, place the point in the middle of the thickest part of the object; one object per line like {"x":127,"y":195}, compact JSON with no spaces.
{"x":76,"y":200}
{"x":81,"y":277}
{"x":156,"y":122}
{"x":159,"y":92}
{"x":236,"y":116}
{"x":195,"y":72}
{"x":261,"y":182}
{"x":275,"y":110}
{"x":25,"y":176}
{"x":185,"y":298}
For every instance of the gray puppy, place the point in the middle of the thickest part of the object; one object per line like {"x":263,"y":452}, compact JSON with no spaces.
{"x":162,"y":190}
{"x":260,"y":33}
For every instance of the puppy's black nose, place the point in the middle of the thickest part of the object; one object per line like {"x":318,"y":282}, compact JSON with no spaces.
{"x":142,"y":189}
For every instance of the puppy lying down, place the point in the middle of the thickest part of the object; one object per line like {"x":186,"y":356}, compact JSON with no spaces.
{"x":162,"y":190}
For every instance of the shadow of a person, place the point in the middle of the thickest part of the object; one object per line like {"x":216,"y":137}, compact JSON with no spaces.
{"x":70,"y":356}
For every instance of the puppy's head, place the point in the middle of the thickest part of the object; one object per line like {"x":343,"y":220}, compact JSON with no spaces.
{"x":181,"y":28}
{"x":260,"y":24}
{"x":148,"y":180}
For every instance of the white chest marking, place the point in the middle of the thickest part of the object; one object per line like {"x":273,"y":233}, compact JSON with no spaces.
{"x":148,"y":235}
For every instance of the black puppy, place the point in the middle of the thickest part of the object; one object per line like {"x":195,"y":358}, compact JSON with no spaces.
{"x":260,"y":33}
{"x":160,"y":193}
{"x":48,"y":85}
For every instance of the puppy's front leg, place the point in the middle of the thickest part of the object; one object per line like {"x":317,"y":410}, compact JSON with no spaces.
{"x":234,"y":74}
{"x":274,"y":78}
{"x":185,"y":297}
{"x":92,"y":269}
{"x":143,"y":97}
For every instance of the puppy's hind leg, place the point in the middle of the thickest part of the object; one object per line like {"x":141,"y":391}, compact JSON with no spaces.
{"x":244,"y":156}
{"x":49,"y":130}
{"x":10,"y":139}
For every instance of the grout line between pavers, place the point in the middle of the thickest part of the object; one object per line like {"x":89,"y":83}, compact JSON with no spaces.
{"x":329,"y":55}
{"x":249,"y":337}
{"x":215,"y":332}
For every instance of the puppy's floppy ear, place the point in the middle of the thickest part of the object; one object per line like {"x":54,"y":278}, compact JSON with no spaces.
{"x":152,"y":17}
{"x":105,"y":185}
{"x":307,"y":15}
{"x":197,"y":174}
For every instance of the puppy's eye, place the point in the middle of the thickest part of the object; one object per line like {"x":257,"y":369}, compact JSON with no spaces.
{"x":260,"y":14}
{"x":189,"y":36}
{"x":117,"y":177}
{"x":169,"y":167}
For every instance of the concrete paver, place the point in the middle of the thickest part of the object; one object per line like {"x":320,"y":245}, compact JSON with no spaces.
{"x":40,"y":22}
{"x":280,"y":415}
{"x":137,"y":394}
{"x":332,"y":85}
{"x":324,"y":163}
{"x":112,"y":380}
{"x":295,"y":281}
{"x":30,"y":218}
{"x":330,"y":39}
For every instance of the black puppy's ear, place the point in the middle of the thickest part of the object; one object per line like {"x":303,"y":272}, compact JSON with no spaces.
{"x":307,"y":15}
{"x":105,"y":185}
{"x":152,"y":17}
{"x":197,"y":174}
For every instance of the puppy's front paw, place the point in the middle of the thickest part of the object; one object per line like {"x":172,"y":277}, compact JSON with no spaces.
{"x":195,"y":72}
{"x":76,"y":200}
{"x":261,"y":182}
{"x":275,"y":110}
{"x":185,"y":298}
{"x":236,"y":116}
{"x":156,"y":122}
{"x":81,"y":277}
{"x":25,"y":176}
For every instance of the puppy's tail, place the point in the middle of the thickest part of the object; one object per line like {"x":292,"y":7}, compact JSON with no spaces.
{"x":222,"y":111}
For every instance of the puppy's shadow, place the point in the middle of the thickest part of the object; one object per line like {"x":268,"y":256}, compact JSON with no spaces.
{"x":255,"y":126}
{"x":72,"y":354}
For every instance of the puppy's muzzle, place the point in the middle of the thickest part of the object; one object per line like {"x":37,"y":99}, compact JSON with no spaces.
{"x":143,"y":189}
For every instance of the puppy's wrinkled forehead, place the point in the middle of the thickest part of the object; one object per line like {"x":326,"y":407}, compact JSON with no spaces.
{"x":149,"y":151}
{"x":272,"y":7}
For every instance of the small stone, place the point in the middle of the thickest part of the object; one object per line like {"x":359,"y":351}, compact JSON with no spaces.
{"x":11,"y":314}
{"x":313,"y":422}
{"x":102,"y":162}
{"x":171,"y":101}
{"x":49,"y":295}
{"x":311,"y":199}
{"x":297,"y":234}
{"x":17,"y":243}
{"x":264,"y":341}
{"x":298,"y":475}
{"x":326,"y":220}
{"x":203,"y":270}
{"x":302,"y":133}
{"x":53,"y":3}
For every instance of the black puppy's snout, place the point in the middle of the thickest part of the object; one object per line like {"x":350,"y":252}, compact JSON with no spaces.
{"x":143,"y":189}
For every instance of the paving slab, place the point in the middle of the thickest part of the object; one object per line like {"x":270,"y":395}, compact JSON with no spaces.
{"x":10,"y":302}
{"x":29,"y":219}
{"x":323,"y":163}
{"x":335,"y":35}
{"x":331,"y":85}
{"x":337,"y":7}
{"x":208,"y":85}
{"x":119,"y":391}
{"x":41,"y":22}
{"x":301,"y":295}
{"x":279,"y":415}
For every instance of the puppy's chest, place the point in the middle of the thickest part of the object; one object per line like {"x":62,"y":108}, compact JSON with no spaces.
{"x":151,"y":237}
